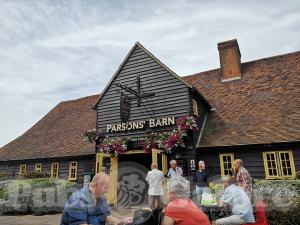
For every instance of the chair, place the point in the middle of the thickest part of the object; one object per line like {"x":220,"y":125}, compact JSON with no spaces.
{"x":260,"y":212}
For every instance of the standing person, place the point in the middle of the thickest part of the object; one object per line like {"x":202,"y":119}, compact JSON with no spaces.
{"x":239,"y":203}
{"x":181,"y":210}
{"x":89,"y":206}
{"x":201,"y":181}
{"x":243,"y":178}
{"x":155,"y":179}
{"x":174,"y":170}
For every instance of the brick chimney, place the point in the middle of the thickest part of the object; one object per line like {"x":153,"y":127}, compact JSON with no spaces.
{"x":230,"y":60}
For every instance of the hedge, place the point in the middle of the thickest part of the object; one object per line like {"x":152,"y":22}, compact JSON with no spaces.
{"x":282,"y":198}
{"x":38,"y":196}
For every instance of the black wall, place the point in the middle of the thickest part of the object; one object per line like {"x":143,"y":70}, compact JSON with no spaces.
{"x":251,"y":154}
{"x":86,"y":164}
{"x":171,"y":95}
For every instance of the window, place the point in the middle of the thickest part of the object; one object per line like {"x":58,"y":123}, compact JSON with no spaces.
{"x":226,"y":163}
{"x":73,"y":170}
{"x":195,"y":107}
{"x":22,"y":169}
{"x":279,"y":164}
{"x":38,"y":167}
{"x":54,"y":170}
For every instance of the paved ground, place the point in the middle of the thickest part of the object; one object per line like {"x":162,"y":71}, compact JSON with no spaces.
{"x":49,"y":219}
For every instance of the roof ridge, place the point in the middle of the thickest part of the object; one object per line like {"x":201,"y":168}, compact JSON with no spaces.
{"x":78,"y":99}
{"x":255,"y":60}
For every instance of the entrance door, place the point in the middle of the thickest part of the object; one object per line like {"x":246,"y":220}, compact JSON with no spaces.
{"x":109,"y":164}
{"x":161,"y":159}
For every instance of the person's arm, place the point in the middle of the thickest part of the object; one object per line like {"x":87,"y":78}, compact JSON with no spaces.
{"x":147,"y":177}
{"x":168,"y":221}
{"x":169,"y":173}
{"x":118,"y":221}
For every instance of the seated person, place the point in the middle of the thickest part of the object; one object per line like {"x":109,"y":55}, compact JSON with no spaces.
{"x":89,"y":206}
{"x":239,"y":203}
{"x":181,"y":210}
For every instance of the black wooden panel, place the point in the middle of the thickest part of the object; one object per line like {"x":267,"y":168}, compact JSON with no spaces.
{"x":171,"y":99}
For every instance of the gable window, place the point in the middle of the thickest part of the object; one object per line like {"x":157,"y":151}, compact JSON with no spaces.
{"x":54,"y":170}
{"x":226,"y":163}
{"x":279,"y":164}
{"x":195,"y":107}
{"x":38,"y":167}
{"x":73,"y":170}
{"x":22,"y":169}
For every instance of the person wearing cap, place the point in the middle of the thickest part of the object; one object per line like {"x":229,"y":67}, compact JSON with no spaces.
{"x":238,"y":201}
{"x":243,"y":178}
{"x":174,"y":170}
{"x":155,"y":179}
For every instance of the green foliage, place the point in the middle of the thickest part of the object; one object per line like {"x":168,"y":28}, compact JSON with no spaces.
{"x":31,"y":175}
{"x":282,"y":198}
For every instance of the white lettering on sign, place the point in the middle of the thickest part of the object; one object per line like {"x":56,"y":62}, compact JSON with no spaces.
{"x":138,"y":125}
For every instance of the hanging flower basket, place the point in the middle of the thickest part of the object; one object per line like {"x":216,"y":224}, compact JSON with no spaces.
{"x":167,"y":141}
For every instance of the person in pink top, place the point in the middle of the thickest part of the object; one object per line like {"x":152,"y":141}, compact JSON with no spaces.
{"x":181,"y":210}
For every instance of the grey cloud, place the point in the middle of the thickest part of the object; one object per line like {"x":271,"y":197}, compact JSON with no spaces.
{"x":52,"y":51}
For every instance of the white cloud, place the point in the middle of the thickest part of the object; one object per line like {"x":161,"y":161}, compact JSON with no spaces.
{"x":52,"y":51}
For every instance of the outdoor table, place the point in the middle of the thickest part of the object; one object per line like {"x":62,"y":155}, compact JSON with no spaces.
{"x":214,"y":211}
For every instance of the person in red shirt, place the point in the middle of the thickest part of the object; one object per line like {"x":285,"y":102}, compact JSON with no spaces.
{"x":181,"y":210}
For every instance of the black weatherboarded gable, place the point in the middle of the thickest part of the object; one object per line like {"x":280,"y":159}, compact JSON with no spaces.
{"x":171,"y":93}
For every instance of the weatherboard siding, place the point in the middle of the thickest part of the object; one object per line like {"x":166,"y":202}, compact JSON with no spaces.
{"x":86,"y":164}
{"x":171,"y":95}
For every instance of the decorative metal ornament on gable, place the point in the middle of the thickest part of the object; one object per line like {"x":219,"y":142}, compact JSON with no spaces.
{"x":125,"y":107}
{"x":138,"y":95}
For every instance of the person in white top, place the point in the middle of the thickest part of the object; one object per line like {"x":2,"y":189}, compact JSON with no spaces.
{"x":155,"y":179}
{"x":174,"y":170}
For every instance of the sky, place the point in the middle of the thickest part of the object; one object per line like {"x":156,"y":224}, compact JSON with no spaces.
{"x":56,"y":50}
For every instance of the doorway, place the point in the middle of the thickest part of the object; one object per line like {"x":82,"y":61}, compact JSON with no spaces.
{"x":128,"y":187}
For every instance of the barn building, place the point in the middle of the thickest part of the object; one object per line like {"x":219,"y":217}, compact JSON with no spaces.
{"x":247,"y":110}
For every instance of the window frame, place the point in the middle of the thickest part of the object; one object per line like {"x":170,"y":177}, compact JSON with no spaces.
{"x":195,"y":107}
{"x":222,"y":162}
{"x":279,"y":166}
{"x":70,"y":171}
{"x":36,"y":169}
{"x":52,"y":170}
{"x":21,"y":172}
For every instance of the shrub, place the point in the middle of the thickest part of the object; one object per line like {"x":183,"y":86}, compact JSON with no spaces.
{"x":282,"y":198}
{"x":31,"y":175}
{"x":38,"y":196}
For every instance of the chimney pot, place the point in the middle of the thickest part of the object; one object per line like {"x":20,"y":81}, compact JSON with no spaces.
{"x":230,"y":60}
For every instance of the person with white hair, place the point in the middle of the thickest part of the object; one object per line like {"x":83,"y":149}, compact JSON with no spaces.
{"x":89,"y":206}
{"x":202,"y":175}
{"x":239,"y":203}
{"x":174,"y":170}
{"x":182,"y":210}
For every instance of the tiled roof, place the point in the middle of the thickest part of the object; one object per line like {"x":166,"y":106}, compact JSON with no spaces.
{"x":57,"y":134}
{"x":262,"y":107}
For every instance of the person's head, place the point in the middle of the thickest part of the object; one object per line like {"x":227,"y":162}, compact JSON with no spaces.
{"x":178,"y":188}
{"x":154,"y":166}
{"x":173,"y":164}
{"x":227,"y":181}
{"x":100,"y":184}
{"x":238,"y":163}
{"x":201,"y":165}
